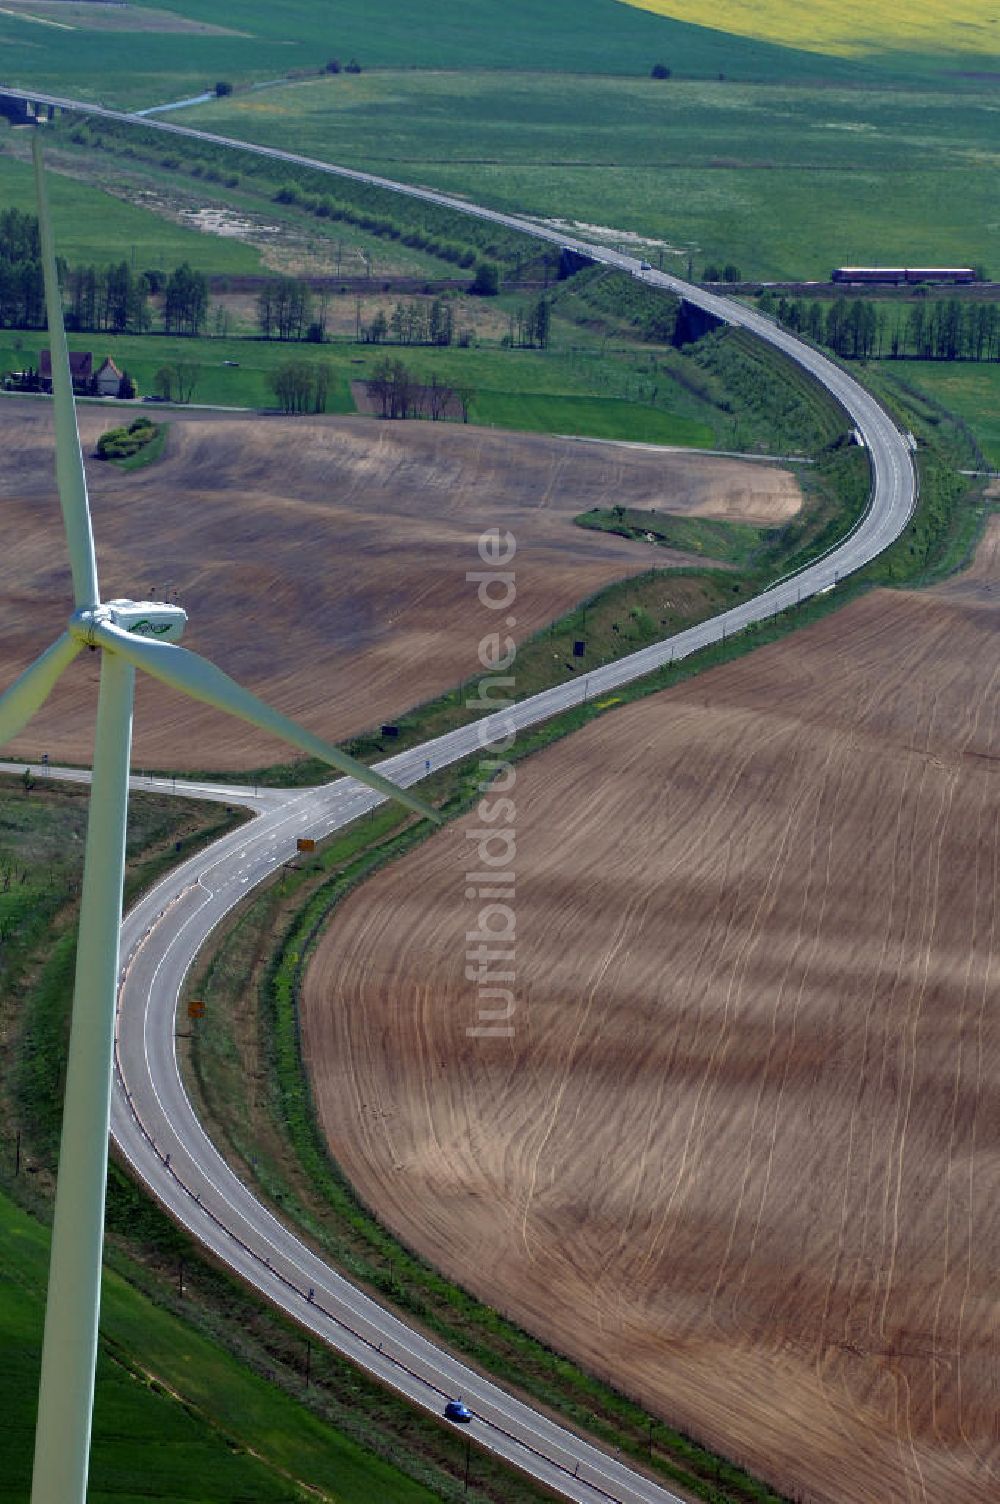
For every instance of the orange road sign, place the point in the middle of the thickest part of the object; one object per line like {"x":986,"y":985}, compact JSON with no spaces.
{"x":196,"y":1008}
{"x":305,"y":843}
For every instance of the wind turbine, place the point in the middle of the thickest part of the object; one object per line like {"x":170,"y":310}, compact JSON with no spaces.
{"x":130,"y":635}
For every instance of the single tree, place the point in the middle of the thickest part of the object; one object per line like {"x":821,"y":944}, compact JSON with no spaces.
{"x":186,"y":374}
{"x":465,"y":395}
{"x":486,"y":282}
{"x":321,"y":374}
{"x":543,"y":320}
{"x":439,"y":398}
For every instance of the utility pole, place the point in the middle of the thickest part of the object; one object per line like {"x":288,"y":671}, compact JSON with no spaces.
{"x":308,"y":1362}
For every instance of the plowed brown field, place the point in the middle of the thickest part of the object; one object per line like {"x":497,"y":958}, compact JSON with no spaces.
{"x":742,"y":1151}
{"x":322,"y":561}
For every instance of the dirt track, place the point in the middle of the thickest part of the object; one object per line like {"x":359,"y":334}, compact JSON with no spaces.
{"x":322,"y":562}
{"x":741,"y":1151}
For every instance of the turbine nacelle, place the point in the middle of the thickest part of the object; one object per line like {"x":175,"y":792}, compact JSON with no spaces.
{"x":154,"y":619}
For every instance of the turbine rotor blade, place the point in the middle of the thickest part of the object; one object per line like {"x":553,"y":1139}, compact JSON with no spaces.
{"x":70,"y":477}
{"x":34,"y":686}
{"x":195,"y":676}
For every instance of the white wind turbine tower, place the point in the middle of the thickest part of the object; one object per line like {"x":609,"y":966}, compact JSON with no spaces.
{"x":130,"y":635}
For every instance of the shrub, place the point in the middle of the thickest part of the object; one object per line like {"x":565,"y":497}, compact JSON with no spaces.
{"x":122,"y":443}
{"x":113,"y":443}
{"x":222,"y":89}
{"x":659,"y":70}
{"x":486,"y":282}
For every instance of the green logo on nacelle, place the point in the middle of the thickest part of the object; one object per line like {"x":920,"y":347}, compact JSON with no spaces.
{"x":147,"y":628}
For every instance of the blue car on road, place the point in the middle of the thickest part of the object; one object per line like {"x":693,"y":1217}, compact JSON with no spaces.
{"x":455,"y":1410}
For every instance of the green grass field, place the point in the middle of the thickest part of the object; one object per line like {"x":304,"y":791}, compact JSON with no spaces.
{"x":169,"y":1404}
{"x":782,"y":161}
{"x":970,"y":391}
{"x":131,"y":70}
{"x":531,"y":390}
{"x":784,"y":180}
{"x":95,"y":227}
{"x":245,"y":385}
{"x":593,"y":417}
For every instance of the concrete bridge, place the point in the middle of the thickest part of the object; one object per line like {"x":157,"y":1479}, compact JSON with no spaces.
{"x":21,"y":110}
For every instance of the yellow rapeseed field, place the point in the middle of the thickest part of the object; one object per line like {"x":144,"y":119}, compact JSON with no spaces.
{"x":848,"y":27}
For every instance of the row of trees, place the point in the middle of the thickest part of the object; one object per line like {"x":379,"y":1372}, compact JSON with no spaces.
{"x":109,"y":299}
{"x":115,"y":300}
{"x":302,"y":386}
{"x":946,"y":329}
{"x":285,"y":310}
{"x":22,"y":297}
{"x":727,"y":273}
{"x":529,"y":325}
{"x":185,"y":301}
{"x":413,"y":323}
{"x":400,"y":393}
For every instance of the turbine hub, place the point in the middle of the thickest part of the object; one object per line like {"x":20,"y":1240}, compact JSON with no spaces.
{"x":155,"y":619}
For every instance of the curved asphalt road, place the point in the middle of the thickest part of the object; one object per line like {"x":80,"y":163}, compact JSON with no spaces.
{"x":153,"y":1123}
